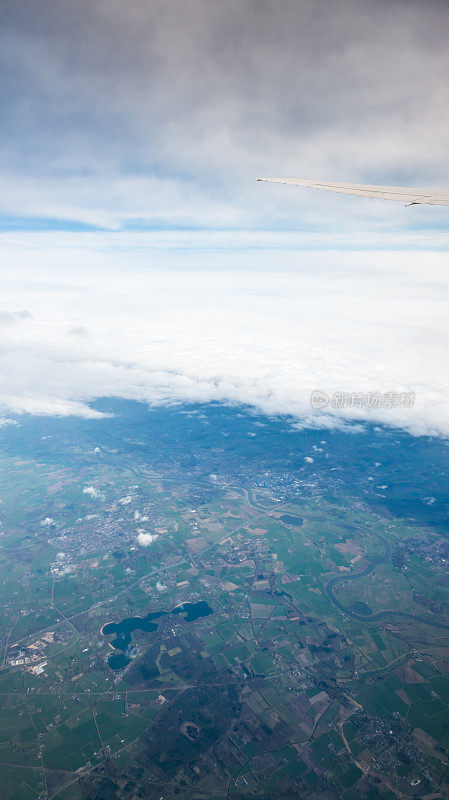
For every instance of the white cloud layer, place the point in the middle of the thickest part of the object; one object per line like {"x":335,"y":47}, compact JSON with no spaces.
{"x":355,"y":322}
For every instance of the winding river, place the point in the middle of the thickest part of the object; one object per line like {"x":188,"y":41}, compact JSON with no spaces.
{"x":382,"y":559}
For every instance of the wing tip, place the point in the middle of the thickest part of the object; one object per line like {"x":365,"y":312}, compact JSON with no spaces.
{"x":270,"y":180}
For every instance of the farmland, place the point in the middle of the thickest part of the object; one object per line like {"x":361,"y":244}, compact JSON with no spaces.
{"x":178,"y":628}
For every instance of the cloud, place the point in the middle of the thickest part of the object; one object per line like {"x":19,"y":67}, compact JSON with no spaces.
{"x":79,"y":332}
{"x":140,"y":517}
{"x":8,"y":318}
{"x":5,"y":421}
{"x":150,"y":121}
{"x":352,"y":322}
{"x":145,"y":539}
{"x":91,"y":492}
{"x":161,"y":114}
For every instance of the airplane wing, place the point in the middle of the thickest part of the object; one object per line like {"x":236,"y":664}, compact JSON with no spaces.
{"x":433,"y":197}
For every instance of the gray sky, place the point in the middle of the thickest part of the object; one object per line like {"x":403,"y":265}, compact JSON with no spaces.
{"x":161,"y":113}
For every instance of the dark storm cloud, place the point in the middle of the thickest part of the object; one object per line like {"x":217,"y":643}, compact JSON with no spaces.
{"x":165,"y":110}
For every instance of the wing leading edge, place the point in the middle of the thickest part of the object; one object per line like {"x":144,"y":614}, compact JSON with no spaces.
{"x":432,"y":197}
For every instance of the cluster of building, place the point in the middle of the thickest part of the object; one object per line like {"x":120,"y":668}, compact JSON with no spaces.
{"x":433,"y":550}
{"x":32,"y":656}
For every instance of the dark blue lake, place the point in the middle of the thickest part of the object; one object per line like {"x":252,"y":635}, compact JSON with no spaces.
{"x":123,"y":630}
